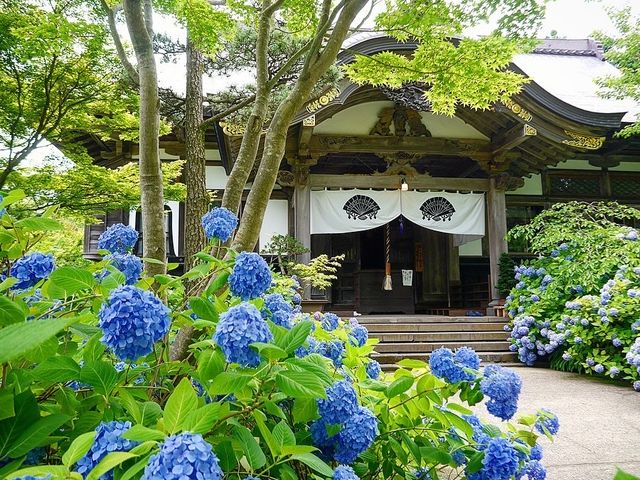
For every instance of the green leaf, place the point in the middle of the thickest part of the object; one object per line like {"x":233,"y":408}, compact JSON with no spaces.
{"x":6,"y":404}
{"x":58,"y":471}
{"x":100,"y":375}
{"x":300,"y":384}
{"x":108,"y":463}
{"x":72,"y":280}
{"x":36,"y":434}
{"x":218,"y":283}
{"x":295,"y":449}
{"x":19,"y":338}
{"x":315,"y":463}
{"x":150,"y":413}
{"x":210,"y":363}
{"x":132,"y":471}
{"x":270,"y":351}
{"x":620,"y":475}
{"x":131,"y":405}
{"x":12,"y":197}
{"x":432,"y":454}
{"x":229,"y":382}
{"x":204,"y":309}
{"x":140,"y":433}
{"x":78,"y":448}
{"x":182,"y":401}
{"x":304,"y":409}
{"x":251,"y":449}
{"x":202,"y":419}
{"x":399,"y":386}
{"x":225,"y":453}
{"x":283,"y":435}
{"x":38,"y":224}
{"x":296,"y":336}
{"x":57,"y":369}
{"x":10,"y":312}
{"x":266,"y":433}
{"x":315,"y":364}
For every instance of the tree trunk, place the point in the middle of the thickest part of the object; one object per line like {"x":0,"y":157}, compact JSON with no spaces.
{"x":197,"y":202}
{"x":152,"y":201}
{"x":276,"y":138}
{"x":251,"y":138}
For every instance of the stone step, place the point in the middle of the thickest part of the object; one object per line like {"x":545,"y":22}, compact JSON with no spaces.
{"x":389,"y":359}
{"x":421,"y":319}
{"x":376,"y":328}
{"x":418,"y":347}
{"x":466,"y":336}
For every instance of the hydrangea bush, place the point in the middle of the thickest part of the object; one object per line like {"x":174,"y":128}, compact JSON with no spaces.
{"x":578,"y":303}
{"x":265,"y":391}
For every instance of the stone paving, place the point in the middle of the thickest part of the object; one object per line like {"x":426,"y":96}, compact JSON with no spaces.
{"x":599,"y":424}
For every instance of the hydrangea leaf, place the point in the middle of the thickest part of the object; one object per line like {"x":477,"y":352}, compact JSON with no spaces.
{"x":314,"y":463}
{"x":202,"y":419}
{"x":300,"y":384}
{"x":72,"y":280}
{"x":182,"y":401}
{"x":150,"y":412}
{"x":204,"y":308}
{"x":6,"y":404}
{"x":19,"y":338}
{"x":10,"y":312}
{"x":436,"y":455}
{"x":296,"y":336}
{"x":253,"y":452}
{"x":78,"y":448}
{"x":304,"y":410}
{"x":269,"y":351}
{"x":58,"y":471}
{"x":132,"y":471}
{"x":210,"y":363}
{"x":229,"y":382}
{"x":100,"y":375}
{"x":57,"y":369}
{"x":108,"y":463}
{"x":399,"y":386}
{"x":140,"y":433}
{"x":36,"y":434}
{"x":283,"y":435}
{"x":38,"y":224}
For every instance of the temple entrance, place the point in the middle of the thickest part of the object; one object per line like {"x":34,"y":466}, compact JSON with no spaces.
{"x":435,"y":280}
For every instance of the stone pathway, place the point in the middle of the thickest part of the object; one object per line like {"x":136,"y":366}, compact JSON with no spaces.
{"x":599,"y":424}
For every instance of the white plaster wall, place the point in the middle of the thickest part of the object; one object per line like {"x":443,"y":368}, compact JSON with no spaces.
{"x":532,"y":186}
{"x":471,"y":249}
{"x":360,"y":119}
{"x":175,"y":224}
{"x":276,"y":221}
{"x":216,"y":177}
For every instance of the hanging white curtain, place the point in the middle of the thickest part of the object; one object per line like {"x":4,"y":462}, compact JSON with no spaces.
{"x":343,"y":211}
{"x":458,"y":213}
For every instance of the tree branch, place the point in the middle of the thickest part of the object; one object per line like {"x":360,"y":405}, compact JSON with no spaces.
{"x":132,"y":73}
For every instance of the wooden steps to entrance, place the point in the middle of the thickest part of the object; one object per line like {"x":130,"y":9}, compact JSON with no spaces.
{"x":416,"y":336}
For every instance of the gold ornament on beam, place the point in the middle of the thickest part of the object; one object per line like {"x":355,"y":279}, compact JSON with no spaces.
{"x":587,"y":142}
{"x":323,"y":100}
{"x":518,"y":110}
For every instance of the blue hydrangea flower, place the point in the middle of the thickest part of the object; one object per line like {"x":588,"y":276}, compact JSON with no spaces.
{"x":449,"y":366}
{"x":32,"y":268}
{"x":503,"y":387}
{"x":312,"y":347}
{"x":373,"y":369}
{"x":359,"y":335}
{"x":108,"y":439}
{"x":636,"y":386}
{"x":333,"y":350}
{"x":536,"y":452}
{"x":277,"y":309}
{"x":250,"y":277}
{"x":237,"y":329}
{"x":422,"y":473}
{"x":344,"y":472}
{"x":533,"y":470}
{"x":341,"y":403}
{"x":599,"y":368}
{"x":118,"y":238}
{"x":297,"y":299}
{"x":330,"y":321}
{"x":132,"y":320}
{"x":566,"y":356}
{"x":357,"y":434}
{"x":547,"y":422}
{"x":128,"y":264}
{"x":500,"y":460}
{"x":479,"y":435}
{"x":219,"y":223}
{"x":184,"y":456}
{"x":31,"y":477}
{"x":320,"y":437}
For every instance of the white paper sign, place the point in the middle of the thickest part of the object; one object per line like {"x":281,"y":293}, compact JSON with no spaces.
{"x":407,"y":278}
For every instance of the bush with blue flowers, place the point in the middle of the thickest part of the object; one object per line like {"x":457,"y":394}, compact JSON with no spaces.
{"x":265,"y":391}
{"x":578,"y":303}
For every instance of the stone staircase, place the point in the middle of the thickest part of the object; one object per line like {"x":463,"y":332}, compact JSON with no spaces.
{"x":416,"y":336}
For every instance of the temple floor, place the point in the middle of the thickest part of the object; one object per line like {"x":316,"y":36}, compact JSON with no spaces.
{"x":599,"y":423}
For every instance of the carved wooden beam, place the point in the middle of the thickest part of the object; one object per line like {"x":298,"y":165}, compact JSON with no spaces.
{"x":320,"y":145}
{"x":508,"y":140}
{"x":394,"y":181}
{"x":306,"y":131}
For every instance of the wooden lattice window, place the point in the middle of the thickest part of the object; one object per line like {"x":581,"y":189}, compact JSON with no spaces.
{"x":575,"y":185}
{"x":625,"y":185}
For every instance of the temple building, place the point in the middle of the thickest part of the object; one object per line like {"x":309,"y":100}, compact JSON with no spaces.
{"x":373,"y":174}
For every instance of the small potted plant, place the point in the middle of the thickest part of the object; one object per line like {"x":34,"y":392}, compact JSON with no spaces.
{"x":317,"y":274}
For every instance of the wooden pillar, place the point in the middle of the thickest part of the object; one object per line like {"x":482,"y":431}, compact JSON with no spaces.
{"x":497,"y":231}
{"x":302,"y":206}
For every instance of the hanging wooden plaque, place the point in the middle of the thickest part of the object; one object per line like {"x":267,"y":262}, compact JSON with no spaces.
{"x":419,"y":256}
